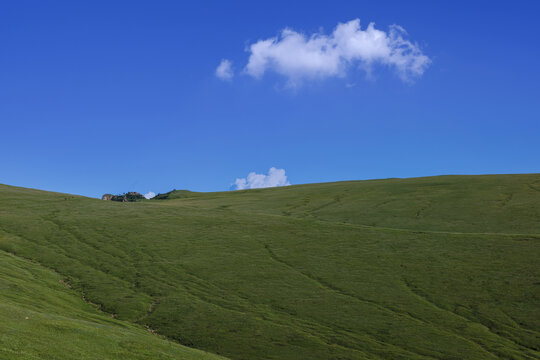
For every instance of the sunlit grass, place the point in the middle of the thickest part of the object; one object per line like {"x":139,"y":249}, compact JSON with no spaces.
{"x":442,"y":267}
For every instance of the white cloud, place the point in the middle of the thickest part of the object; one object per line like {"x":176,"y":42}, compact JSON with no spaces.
{"x":275,"y":177}
{"x":297,"y":57}
{"x":224,"y":70}
{"x":149,"y":195}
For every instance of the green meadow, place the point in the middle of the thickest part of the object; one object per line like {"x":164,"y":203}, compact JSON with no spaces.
{"x":42,"y":318}
{"x":440,"y":267}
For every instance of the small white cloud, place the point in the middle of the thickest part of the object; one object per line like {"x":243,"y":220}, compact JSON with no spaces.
{"x":149,"y":195}
{"x":275,"y":177}
{"x":297,"y":56}
{"x":224,"y":70}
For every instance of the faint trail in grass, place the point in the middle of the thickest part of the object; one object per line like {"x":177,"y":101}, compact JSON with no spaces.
{"x":535,"y":236}
{"x":519,"y":325}
{"x":336,"y":200}
{"x":64,"y":253}
{"x":425,"y":299}
{"x":326,"y":285}
{"x":63,"y":281}
{"x":150,"y":310}
{"x":75,"y":234}
{"x":382,"y":203}
{"x":286,"y":324}
{"x":304,"y":326}
{"x":506,"y":200}
{"x":534,"y":187}
{"x":421,"y":211}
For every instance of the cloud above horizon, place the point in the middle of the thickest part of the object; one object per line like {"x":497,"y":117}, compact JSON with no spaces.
{"x":275,"y":177}
{"x":297,"y":56}
{"x":224,"y":70}
{"x":149,"y":195}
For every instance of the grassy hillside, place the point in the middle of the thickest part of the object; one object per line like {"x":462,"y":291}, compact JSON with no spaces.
{"x":489,"y":203}
{"x":41,"y":318}
{"x":428,"y":268}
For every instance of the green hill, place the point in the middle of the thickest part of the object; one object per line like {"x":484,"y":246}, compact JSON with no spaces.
{"x":428,"y":268}
{"x":41,"y":318}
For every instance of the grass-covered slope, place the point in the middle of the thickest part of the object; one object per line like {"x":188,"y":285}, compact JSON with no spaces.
{"x":428,"y":268}
{"x":488,"y":203}
{"x":41,"y":318}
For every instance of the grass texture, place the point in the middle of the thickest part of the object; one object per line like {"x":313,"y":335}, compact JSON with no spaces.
{"x":426,"y":268}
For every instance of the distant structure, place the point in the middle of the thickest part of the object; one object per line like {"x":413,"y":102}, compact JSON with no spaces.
{"x":127,"y":197}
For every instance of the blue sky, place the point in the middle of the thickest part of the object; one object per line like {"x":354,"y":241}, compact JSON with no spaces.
{"x":110,"y":96}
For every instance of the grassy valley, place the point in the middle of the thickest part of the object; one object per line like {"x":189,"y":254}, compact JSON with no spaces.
{"x":427,"y":268}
